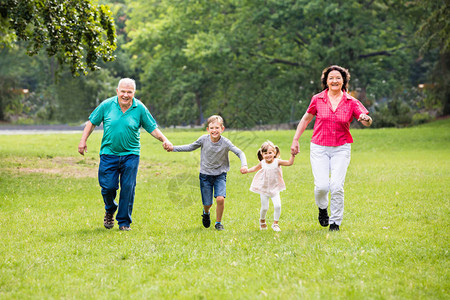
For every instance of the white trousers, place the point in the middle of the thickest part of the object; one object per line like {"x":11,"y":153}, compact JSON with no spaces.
{"x":276,"y":200}
{"x":329,"y":166}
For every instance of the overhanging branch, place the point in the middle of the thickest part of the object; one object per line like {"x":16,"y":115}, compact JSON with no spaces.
{"x":285,"y":62}
{"x":385,"y":53}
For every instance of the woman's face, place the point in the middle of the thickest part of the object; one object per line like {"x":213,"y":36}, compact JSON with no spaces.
{"x":335,"y":81}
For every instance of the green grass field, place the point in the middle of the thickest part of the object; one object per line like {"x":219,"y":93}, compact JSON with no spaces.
{"x":393,"y":243}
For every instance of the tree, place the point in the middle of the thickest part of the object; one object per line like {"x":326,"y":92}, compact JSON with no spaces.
{"x":32,"y":93}
{"x":76,"y":32}
{"x":233,"y":57}
{"x":434,"y":36}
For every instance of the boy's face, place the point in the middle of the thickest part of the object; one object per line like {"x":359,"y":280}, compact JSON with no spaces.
{"x":215,"y":129}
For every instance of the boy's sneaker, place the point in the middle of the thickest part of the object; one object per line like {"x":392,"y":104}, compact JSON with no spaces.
{"x":334,"y":227}
{"x":206,"y":220}
{"x":108,"y":220}
{"x":125,"y":228}
{"x":323,"y":217}
{"x":219,"y":226}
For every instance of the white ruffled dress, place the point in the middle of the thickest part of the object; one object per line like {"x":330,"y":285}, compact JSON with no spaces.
{"x":269,"y":180}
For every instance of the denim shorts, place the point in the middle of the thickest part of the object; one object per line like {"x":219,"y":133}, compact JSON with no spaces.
{"x":208,"y":183}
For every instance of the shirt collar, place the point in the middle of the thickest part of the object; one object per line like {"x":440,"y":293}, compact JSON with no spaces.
{"x":323,"y":95}
{"x":116,"y":100}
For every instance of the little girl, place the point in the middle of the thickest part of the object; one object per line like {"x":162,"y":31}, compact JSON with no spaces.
{"x":268,"y":182}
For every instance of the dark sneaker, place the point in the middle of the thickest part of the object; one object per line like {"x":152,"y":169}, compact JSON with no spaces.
{"x":108,"y":220}
{"x":323,"y":217}
{"x":125,"y":228}
{"x":219,"y":226}
{"x":334,"y":227}
{"x":206,"y":220}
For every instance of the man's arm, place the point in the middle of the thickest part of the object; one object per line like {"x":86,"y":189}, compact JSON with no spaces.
{"x":157,"y":134}
{"x":82,"y":146}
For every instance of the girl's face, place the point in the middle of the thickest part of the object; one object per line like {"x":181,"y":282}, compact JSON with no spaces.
{"x":269,"y":155}
{"x":215,"y":129}
{"x":335,"y":81}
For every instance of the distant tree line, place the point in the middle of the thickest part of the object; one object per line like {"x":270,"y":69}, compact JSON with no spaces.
{"x":253,"y":62}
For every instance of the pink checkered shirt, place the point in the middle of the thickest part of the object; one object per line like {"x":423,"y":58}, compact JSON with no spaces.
{"x":332,"y":128}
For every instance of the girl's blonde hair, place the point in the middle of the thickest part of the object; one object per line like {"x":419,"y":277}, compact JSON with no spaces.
{"x":265,"y":147}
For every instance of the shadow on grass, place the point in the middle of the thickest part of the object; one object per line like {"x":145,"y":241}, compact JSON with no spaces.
{"x":95,"y":231}
{"x":248,"y":232}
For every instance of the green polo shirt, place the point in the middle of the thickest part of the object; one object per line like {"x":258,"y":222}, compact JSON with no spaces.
{"x":121,"y":131}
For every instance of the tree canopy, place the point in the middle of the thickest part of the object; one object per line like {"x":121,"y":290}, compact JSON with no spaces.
{"x":77,"y":32}
{"x":252,"y":61}
{"x":213,"y":56}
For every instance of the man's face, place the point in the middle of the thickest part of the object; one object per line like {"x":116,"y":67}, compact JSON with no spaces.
{"x":125,"y":93}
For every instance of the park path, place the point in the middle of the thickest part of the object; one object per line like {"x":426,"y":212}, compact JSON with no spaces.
{"x":41,"y":129}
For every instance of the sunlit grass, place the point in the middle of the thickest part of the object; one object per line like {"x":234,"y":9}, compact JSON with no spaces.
{"x":393,"y":242}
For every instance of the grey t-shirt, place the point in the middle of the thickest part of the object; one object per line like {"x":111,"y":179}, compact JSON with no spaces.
{"x":213,"y":156}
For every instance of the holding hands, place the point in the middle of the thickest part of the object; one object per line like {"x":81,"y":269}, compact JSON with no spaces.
{"x":295,"y":148}
{"x":167,"y":146}
{"x":244,"y":170}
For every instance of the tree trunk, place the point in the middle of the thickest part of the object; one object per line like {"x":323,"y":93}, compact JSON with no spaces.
{"x":200,"y":119}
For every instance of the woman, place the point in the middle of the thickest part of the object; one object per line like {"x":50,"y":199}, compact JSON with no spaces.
{"x":331,"y":142}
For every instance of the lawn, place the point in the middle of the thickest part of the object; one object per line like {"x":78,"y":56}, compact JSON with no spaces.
{"x":393,"y":243}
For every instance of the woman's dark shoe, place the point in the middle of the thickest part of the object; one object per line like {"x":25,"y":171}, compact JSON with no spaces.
{"x":323,"y":217}
{"x":334,"y":227}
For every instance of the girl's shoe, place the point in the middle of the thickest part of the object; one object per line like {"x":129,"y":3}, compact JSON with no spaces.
{"x":275,"y":227}
{"x":262,"y":225}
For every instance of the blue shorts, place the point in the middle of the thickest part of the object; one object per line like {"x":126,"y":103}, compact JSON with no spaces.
{"x":208,"y":183}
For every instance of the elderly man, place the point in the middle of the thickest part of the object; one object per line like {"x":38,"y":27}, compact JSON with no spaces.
{"x":122,"y":117}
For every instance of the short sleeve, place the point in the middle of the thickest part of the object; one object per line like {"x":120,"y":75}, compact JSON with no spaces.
{"x":97,"y":115}
{"x":358,"y":109}
{"x":147,"y":120}
{"x":312,"y":109}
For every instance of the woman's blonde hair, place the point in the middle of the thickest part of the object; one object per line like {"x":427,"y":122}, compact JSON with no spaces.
{"x":265,"y":147}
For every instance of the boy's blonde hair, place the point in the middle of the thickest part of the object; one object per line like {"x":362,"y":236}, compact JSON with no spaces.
{"x":214,"y":118}
{"x":265,"y":147}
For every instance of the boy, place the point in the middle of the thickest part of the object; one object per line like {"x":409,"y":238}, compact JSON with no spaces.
{"x":214,"y":165}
